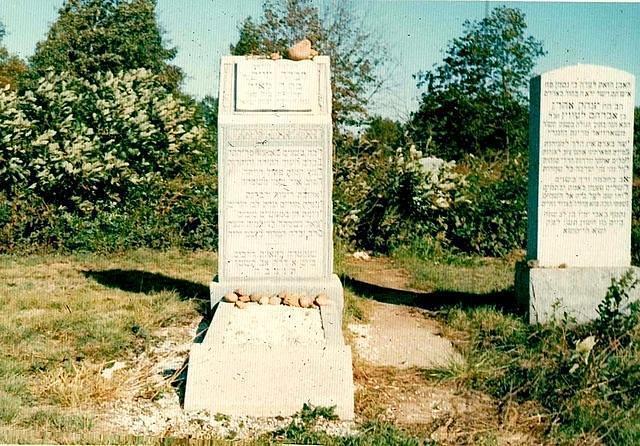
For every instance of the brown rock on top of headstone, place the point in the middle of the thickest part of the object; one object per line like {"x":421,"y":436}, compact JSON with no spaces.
{"x":301,"y":50}
{"x":322,"y":300}
{"x":264,"y":300}
{"x":306,"y":301}
{"x":240,"y":304}
{"x":244,"y":298}
{"x":291,"y":299}
{"x":230,"y":297}
{"x":255,"y":297}
{"x":275,"y":300}
{"x":239,"y":292}
{"x":275,"y":56}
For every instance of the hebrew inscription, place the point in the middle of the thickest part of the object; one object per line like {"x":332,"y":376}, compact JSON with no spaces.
{"x":262,"y":85}
{"x":585,"y":157}
{"x":275,"y":202}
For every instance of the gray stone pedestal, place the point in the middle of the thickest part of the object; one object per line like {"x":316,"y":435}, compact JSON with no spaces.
{"x":547,"y":293}
{"x":580,"y":184}
{"x":265,"y":361}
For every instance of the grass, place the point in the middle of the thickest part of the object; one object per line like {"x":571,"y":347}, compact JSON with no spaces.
{"x":65,"y":318}
{"x":583,"y":380}
{"x":458,"y":274}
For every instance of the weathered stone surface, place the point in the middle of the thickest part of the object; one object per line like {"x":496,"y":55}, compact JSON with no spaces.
{"x":580,"y":180}
{"x":546,"y":293}
{"x":280,"y":357}
{"x":275,"y":233}
{"x":580,"y":177}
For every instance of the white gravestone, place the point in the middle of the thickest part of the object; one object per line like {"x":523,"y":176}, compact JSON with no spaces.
{"x":275,"y":235}
{"x":580,"y":180}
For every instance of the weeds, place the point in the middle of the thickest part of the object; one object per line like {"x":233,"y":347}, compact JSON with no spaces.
{"x":584,"y":377}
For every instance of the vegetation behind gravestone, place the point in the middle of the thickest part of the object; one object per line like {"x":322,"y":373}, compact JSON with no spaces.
{"x":90,"y":37}
{"x":108,"y":164}
{"x":384,"y":199}
{"x":337,"y":32}
{"x":475,"y":101}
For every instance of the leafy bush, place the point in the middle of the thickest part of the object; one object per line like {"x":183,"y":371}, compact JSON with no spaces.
{"x":492,"y":220}
{"x":384,"y":198}
{"x":103,"y":164}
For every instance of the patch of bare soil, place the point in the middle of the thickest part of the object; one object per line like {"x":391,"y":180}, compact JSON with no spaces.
{"x":393,"y":353}
{"x":442,"y":412}
{"x":402,"y":336}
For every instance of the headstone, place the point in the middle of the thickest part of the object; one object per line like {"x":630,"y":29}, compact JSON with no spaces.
{"x":275,"y":236}
{"x":580,"y":180}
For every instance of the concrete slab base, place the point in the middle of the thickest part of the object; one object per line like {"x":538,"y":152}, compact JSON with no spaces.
{"x":547,"y":293}
{"x":262,"y":381}
{"x":269,"y":360}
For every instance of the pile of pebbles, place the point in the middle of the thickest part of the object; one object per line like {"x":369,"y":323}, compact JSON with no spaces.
{"x":241,"y":299}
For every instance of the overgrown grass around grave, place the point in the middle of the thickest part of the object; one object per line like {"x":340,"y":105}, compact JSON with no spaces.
{"x":584,"y":379}
{"x":66,"y":318}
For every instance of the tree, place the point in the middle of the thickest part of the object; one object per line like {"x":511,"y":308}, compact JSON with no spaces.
{"x":475,"y":100}
{"x":11,"y":67}
{"x":355,"y":55}
{"x":96,"y":36}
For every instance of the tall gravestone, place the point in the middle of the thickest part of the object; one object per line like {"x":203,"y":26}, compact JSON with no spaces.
{"x":580,"y":180}
{"x":275,"y":236}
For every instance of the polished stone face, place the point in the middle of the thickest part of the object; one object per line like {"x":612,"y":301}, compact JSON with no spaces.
{"x":581,"y":154}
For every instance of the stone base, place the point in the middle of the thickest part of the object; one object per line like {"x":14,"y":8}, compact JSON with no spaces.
{"x":547,"y":293}
{"x":269,"y":360}
{"x":332,"y":315}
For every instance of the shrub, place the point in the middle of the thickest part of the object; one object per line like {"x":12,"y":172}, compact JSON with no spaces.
{"x":492,"y":220}
{"x":384,"y":198}
{"x":102,"y":164}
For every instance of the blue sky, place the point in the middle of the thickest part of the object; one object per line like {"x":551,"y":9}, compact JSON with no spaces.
{"x":416,"y":33}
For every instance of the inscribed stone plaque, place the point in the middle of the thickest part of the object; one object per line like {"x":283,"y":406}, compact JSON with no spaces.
{"x":276,"y":202}
{"x":262,"y":85}
{"x":580,"y":178}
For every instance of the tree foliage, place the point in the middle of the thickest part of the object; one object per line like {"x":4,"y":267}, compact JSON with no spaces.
{"x":355,"y":55}
{"x":475,"y":100}
{"x":11,"y":66}
{"x":97,"y":36}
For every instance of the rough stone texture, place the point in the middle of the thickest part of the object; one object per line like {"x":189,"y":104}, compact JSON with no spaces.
{"x":580,"y":181}
{"x":580,"y":176}
{"x":269,"y":361}
{"x":546,"y":293}
{"x":276,"y":235}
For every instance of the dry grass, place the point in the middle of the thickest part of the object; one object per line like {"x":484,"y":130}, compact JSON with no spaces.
{"x":65,"y":318}
{"x":447,"y":414}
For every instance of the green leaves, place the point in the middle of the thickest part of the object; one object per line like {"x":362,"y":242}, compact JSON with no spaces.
{"x":87,"y":145}
{"x":355,"y":55}
{"x":98,"y":36}
{"x":475,"y":100}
